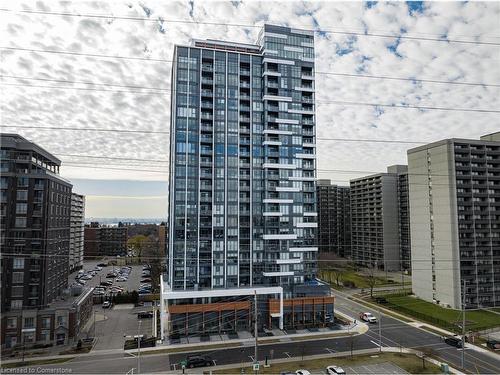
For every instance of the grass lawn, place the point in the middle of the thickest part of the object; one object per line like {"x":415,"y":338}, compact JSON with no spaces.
{"x":434,"y":314}
{"x":357,"y":279}
{"x":408,"y":362}
{"x":33,"y":363}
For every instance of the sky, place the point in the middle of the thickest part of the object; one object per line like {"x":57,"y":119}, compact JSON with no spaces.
{"x":50,"y":81}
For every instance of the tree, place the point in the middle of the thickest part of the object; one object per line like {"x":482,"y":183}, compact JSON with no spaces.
{"x":337,"y":275}
{"x":138,"y":244}
{"x":371,"y":279}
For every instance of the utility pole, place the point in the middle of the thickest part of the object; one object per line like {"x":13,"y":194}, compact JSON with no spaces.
{"x":255,"y":329}
{"x":463,"y":326}
{"x":379,"y":330}
{"x":139,"y":337}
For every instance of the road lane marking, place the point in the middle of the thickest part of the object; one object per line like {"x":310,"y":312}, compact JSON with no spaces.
{"x":251,"y":358}
{"x":376,"y":343}
{"x":287,"y":354}
{"x":330,"y":350}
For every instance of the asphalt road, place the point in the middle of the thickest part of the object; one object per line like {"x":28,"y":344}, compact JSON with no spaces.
{"x":393,"y":333}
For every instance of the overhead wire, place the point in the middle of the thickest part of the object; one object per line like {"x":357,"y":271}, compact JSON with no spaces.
{"x":240,"y":25}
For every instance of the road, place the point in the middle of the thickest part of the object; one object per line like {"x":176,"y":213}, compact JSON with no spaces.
{"x":394,"y":333}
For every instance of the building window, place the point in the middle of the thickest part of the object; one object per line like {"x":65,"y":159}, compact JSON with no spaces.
{"x":61,"y":321}
{"x":46,"y":323}
{"x":17,"y":291}
{"x":29,"y":322}
{"x":16,"y":304}
{"x":22,"y":195}
{"x":18,"y":263}
{"x":20,"y":222}
{"x":17,"y":277}
{"x":11,"y":322}
{"x":22,"y":181}
{"x":21,"y":208}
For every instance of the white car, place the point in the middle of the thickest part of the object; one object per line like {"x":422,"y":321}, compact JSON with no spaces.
{"x":368,"y":317}
{"x":334,"y":370}
{"x":98,"y":292}
{"x":302,"y":372}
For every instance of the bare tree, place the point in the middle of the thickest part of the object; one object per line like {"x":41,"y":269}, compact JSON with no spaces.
{"x":371,"y":279}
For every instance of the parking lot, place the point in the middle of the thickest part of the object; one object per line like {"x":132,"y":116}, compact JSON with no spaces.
{"x":119,"y":321}
{"x":112,"y":324}
{"x":131,"y":284}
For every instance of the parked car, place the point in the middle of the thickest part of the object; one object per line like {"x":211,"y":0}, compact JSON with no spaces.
{"x":381,"y":300}
{"x":333,"y":370}
{"x":106,"y":305}
{"x":98,"y":292}
{"x":144,"y":314}
{"x":302,"y":372}
{"x":493,"y":344}
{"x":368,"y":317}
{"x":146,"y":280}
{"x":453,"y":341}
{"x":107,"y":283}
{"x":81,"y":282}
{"x":110,"y":275}
{"x":102,"y":265}
{"x":199,"y":361}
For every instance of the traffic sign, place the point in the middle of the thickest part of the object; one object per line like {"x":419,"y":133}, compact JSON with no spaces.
{"x":256,"y":366}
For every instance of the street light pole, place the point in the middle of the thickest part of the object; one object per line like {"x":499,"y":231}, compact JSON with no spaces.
{"x":463,"y":326}
{"x":139,"y":337}
{"x":255,"y":328}
{"x":380,"y":329}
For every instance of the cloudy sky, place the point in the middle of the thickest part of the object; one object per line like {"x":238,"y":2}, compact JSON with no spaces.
{"x":101,"y":65}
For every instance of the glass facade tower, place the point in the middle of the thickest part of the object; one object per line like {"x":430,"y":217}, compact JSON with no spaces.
{"x":242,"y":200}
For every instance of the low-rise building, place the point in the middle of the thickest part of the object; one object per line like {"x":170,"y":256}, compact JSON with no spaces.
{"x":103,"y":240}
{"x":59,"y":323}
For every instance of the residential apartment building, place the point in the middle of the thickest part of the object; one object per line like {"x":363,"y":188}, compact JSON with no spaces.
{"x":242,"y":217}
{"x":103,"y":240}
{"x":455,"y":221}
{"x":35,"y":227}
{"x":334,"y":218}
{"x":76,"y":232}
{"x":375,"y":219}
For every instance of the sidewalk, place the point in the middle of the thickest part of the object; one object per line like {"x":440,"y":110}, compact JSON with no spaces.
{"x":357,"y":328}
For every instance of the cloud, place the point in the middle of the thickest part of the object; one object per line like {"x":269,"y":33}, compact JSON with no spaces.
{"x":74,"y":105}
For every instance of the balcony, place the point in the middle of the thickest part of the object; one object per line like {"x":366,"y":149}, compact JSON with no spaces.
{"x":206,"y":116}
{"x":244,"y":96}
{"x":207,"y":68}
{"x":209,"y":105}
{"x":245,"y":84}
{"x":244,"y":72}
{"x":207,"y":93}
{"x":244,"y":119}
{"x":207,"y":81}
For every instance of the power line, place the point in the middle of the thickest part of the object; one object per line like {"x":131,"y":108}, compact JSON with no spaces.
{"x":167,"y":132}
{"x":212,"y":23}
{"x":112,"y":157}
{"x":85,"y":129}
{"x":334,"y":102}
{"x":329,"y":73}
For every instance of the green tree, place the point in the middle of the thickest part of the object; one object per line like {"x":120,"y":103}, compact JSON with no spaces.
{"x":138,"y":243}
